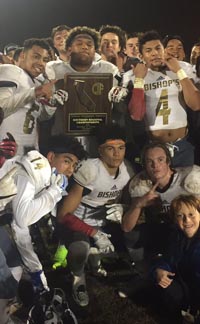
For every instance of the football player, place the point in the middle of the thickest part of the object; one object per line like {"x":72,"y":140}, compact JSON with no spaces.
{"x":25,"y":99}
{"x":95,"y":201}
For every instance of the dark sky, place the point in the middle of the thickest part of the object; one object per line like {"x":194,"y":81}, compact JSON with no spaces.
{"x":21,"y":19}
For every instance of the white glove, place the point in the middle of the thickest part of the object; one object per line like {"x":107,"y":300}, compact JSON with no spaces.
{"x":59,"y":180}
{"x":8,"y":188}
{"x":117,"y":94}
{"x":103,"y":243}
{"x":59,"y":98}
{"x":115,"y":212}
{"x":85,"y":173}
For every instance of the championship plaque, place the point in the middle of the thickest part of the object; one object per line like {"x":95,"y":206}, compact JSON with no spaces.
{"x":87,"y":104}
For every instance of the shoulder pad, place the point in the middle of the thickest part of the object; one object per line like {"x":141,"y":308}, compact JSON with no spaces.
{"x":191,"y":182}
{"x":139,"y":185}
{"x":38,"y":168}
{"x":85,"y":173}
{"x":10,"y":73}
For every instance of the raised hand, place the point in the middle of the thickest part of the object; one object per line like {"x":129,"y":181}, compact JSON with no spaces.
{"x":46,"y":90}
{"x":59,"y":180}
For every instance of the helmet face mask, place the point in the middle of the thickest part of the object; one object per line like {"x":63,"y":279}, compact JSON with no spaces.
{"x":51,"y":308}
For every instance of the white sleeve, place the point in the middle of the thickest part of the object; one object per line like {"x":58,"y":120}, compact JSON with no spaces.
{"x":49,"y":69}
{"x":28,"y":208}
{"x":11,"y":101}
{"x":128,"y":76}
{"x":85,"y":173}
{"x":189,"y":70}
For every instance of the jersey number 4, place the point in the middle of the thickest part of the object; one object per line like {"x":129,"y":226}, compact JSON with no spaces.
{"x":162,"y":108}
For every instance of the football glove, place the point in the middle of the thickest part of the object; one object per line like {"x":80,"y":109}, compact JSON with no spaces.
{"x":59,"y":180}
{"x":8,"y":146}
{"x":115,"y":212}
{"x":103,"y":243}
{"x":117,"y":94}
{"x":58,"y":99}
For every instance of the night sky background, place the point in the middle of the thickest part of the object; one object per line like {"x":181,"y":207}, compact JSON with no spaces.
{"x":21,"y":19}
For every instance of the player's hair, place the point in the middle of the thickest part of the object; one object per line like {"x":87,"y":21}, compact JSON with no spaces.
{"x":148,"y":36}
{"x":188,"y":200}
{"x":108,"y":132}
{"x":59,"y":28}
{"x":167,"y":38}
{"x":78,"y":30}
{"x":29,"y":43}
{"x":49,"y":40}
{"x":196,"y":44}
{"x":153,"y":145}
{"x":65,"y":144}
{"x":134,"y":35}
{"x":104,"y":29}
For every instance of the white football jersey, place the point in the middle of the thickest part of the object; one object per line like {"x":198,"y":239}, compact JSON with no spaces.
{"x":105,"y":189}
{"x":21,"y":110}
{"x":138,"y":189}
{"x":57,"y":69}
{"x":165,"y":107}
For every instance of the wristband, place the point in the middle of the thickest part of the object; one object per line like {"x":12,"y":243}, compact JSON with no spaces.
{"x":181,"y":74}
{"x":139,"y":83}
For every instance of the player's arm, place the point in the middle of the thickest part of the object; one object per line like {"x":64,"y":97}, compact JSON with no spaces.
{"x":50,"y":99}
{"x":71,"y":201}
{"x":11,"y":101}
{"x":83,"y":176}
{"x":28,"y":208}
{"x":65,"y":211}
{"x":190,"y":92}
{"x":131,"y":217}
{"x":137,"y":105}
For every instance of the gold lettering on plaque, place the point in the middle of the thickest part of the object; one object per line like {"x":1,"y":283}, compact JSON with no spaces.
{"x":97,"y":88}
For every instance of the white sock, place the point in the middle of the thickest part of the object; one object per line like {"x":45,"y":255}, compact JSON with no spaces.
{"x":79,"y":280}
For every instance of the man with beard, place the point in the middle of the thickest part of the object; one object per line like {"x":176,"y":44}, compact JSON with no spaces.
{"x":81,"y":43}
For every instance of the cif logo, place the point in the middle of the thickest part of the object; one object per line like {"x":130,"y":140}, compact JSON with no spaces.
{"x":97,"y":88}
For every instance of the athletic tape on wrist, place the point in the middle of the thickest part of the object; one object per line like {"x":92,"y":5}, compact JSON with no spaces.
{"x":181,"y":74}
{"x":139,"y":83}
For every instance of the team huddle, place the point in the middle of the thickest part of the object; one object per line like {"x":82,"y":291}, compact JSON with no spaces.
{"x":138,"y":194}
